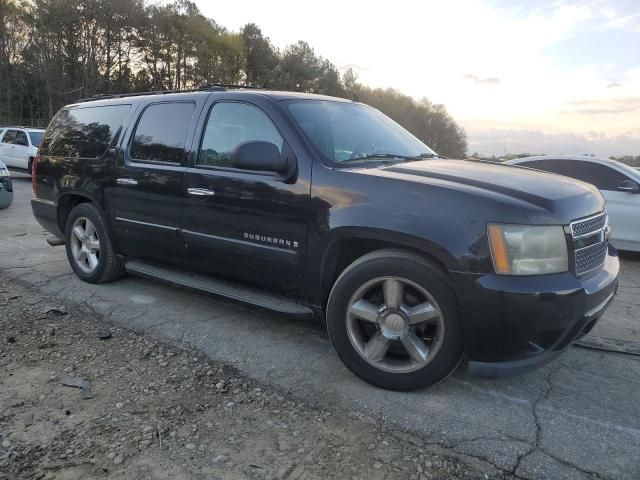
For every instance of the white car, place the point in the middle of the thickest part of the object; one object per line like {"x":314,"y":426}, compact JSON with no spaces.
{"x":18,"y":147}
{"x":619,"y":184}
{"x":6,"y":189}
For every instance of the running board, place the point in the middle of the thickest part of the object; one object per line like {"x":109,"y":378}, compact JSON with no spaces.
{"x":221,"y":288}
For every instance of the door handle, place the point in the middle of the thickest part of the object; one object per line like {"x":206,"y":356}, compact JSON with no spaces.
{"x":129,"y":182}
{"x":200,"y":192}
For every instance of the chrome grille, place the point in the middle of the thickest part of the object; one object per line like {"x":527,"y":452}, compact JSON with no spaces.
{"x":589,"y":242}
{"x":589,"y":225}
{"x":590,"y":258}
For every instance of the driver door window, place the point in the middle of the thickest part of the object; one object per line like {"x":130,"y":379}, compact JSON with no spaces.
{"x":601,"y":176}
{"x":228,"y":125}
{"x":9,"y":137}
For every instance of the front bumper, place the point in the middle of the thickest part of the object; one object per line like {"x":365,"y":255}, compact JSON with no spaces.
{"x":515,"y":324}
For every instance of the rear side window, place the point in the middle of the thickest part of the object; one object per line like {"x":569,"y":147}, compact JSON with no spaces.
{"x":84,"y":132}
{"x":21,"y":139}
{"x":161,"y":132}
{"x":601,"y":176}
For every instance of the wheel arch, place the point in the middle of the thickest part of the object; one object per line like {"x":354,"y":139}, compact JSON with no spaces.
{"x":68,"y":201}
{"x":350,"y":244}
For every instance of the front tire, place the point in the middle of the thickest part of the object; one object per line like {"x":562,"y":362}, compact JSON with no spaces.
{"x":393,"y":319}
{"x":90,"y":247}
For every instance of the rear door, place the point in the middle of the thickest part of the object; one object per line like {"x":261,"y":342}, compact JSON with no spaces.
{"x":149,"y":186}
{"x":7,"y":148}
{"x":250,"y":225}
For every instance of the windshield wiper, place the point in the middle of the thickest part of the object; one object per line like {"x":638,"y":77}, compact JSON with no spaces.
{"x":388,"y":157}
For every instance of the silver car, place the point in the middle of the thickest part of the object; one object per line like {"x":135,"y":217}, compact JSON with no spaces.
{"x":619,"y":184}
{"x":6,"y":188}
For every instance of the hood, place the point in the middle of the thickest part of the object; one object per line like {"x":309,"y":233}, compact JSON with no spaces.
{"x":552,"y":193}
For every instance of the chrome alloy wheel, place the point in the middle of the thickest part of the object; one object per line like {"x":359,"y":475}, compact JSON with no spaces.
{"x":85,"y":245}
{"x":395,"y":324}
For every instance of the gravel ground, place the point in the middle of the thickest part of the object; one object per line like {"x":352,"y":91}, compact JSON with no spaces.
{"x":81,"y":399}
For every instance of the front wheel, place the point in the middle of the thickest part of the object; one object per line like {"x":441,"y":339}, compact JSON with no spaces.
{"x":393,"y":319}
{"x":90,"y":248}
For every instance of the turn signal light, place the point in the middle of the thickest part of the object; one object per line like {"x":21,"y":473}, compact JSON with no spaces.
{"x":499,"y":250}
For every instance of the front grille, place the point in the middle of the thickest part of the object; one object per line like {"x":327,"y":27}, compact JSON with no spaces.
{"x":590,"y":258}
{"x":581,"y":228}
{"x":589,"y":243}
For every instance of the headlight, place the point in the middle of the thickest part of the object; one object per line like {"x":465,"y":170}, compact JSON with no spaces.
{"x":4,"y":172}
{"x":528,"y":250}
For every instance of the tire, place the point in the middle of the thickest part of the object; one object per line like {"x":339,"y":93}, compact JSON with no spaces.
{"x":96,"y":265}
{"x":30,"y":166}
{"x":396,"y":359}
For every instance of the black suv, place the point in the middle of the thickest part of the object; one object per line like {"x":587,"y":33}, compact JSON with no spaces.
{"x":315,"y":206}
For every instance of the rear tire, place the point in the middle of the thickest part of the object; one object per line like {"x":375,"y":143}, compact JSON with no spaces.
{"x":90,"y":247}
{"x":393,"y":319}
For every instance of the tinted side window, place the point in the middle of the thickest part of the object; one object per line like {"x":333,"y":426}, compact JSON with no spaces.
{"x":21,"y":139}
{"x":10,"y":136}
{"x":601,"y":176}
{"x":230,"y":124}
{"x":36,"y":138}
{"x":162,"y":131}
{"x":83,"y":132}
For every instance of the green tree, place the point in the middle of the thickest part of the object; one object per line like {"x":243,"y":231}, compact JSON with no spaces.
{"x":261,"y":58}
{"x":53,"y":52}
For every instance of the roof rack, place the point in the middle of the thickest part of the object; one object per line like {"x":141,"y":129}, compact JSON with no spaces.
{"x":206,"y":87}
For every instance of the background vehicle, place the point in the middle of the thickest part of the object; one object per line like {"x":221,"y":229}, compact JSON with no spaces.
{"x":316,"y":206}
{"x":6,"y":188}
{"x":19,"y":146}
{"x":618,"y":183}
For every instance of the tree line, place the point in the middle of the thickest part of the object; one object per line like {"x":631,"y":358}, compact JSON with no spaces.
{"x":54,"y":52}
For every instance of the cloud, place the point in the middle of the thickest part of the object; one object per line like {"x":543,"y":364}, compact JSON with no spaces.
{"x":481,"y":80}
{"x":614,"y":85}
{"x":604,"y":106}
{"x":497,"y":141}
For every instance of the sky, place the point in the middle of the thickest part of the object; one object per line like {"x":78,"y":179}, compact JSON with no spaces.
{"x":517,"y":75}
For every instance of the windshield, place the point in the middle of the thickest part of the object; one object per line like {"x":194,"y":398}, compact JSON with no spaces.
{"x":350,"y":132}
{"x":36,"y":138}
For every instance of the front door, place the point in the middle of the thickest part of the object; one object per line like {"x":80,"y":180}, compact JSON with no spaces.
{"x":150,"y":182}
{"x":7,"y":148}
{"x":624,"y":216}
{"x":249,"y":225}
{"x":21,"y":150}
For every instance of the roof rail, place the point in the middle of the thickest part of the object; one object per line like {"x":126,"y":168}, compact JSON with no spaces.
{"x":22,"y":127}
{"x":206,"y":87}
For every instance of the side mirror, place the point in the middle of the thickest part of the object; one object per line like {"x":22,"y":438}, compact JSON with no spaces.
{"x":628,"y":186}
{"x":260,"y":156}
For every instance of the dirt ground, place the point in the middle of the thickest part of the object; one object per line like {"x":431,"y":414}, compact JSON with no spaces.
{"x":81,"y":399}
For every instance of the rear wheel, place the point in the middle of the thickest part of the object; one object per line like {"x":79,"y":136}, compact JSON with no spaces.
{"x":393,"y":319}
{"x":90,"y":248}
